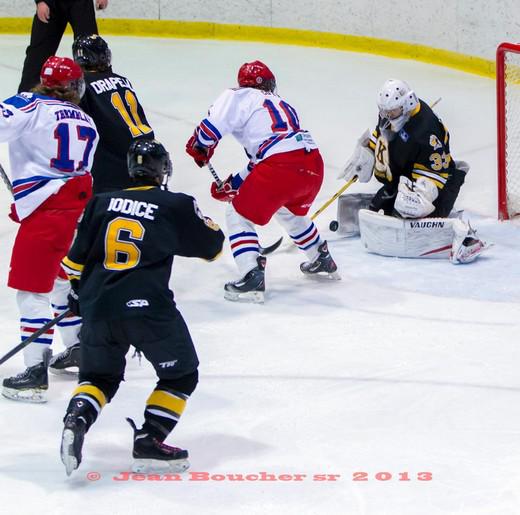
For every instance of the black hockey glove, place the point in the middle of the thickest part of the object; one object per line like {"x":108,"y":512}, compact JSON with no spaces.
{"x":73,"y":301}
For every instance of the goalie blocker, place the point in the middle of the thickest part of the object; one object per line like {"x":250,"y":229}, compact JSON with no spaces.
{"x":421,"y":238}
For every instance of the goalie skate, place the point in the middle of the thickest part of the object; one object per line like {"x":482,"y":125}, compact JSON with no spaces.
{"x":152,"y":455}
{"x":250,"y":288}
{"x":467,"y":247}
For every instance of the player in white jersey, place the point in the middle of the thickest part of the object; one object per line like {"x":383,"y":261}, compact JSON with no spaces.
{"x":283,"y":176}
{"x":51,"y":147}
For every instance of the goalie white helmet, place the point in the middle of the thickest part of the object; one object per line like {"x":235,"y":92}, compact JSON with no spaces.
{"x":396,"y":101}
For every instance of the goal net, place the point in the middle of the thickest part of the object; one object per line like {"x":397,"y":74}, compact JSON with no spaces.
{"x":508,"y":127}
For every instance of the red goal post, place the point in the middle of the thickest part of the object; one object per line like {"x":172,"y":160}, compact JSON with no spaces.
{"x":508,"y":129}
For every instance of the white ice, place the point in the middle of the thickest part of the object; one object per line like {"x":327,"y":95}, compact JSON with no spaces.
{"x":403,"y":366}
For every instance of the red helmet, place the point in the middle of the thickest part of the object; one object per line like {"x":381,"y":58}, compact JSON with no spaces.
{"x":62,"y":72}
{"x":256,"y":75}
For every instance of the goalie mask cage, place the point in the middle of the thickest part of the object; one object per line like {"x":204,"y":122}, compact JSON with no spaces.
{"x":508,"y":129}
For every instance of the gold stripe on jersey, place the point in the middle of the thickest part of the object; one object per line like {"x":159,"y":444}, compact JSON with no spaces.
{"x":140,"y":188}
{"x":446,"y":134}
{"x":72,"y":265}
{"x":438,"y":178}
{"x":72,"y":270}
{"x":172,"y":404}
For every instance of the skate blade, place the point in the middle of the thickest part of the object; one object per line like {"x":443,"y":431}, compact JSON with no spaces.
{"x":64,"y":372}
{"x":321,"y":276}
{"x":32,"y":395}
{"x":143,"y":466}
{"x":256,"y":297}
{"x":67,"y":456}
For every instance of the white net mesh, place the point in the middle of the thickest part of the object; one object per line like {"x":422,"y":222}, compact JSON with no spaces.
{"x":512,"y":123}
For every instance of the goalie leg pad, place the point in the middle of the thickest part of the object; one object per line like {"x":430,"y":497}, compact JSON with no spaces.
{"x":396,"y":237}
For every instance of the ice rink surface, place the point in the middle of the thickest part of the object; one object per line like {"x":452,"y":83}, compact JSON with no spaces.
{"x":403,"y":367}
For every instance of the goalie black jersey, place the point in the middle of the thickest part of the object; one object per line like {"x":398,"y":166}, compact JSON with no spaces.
{"x":123,"y":251}
{"x":120,"y":119}
{"x":420,"y":149}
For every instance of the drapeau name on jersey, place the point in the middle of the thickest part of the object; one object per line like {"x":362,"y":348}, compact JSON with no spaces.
{"x":110,"y":84}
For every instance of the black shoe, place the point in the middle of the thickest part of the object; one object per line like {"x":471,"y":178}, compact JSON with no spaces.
{"x":323,"y":264}
{"x":61,"y":363}
{"x":28,"y":386}
{"x":74,"y":429}
{"x":149,"y":453}
{"x":251,"y":287}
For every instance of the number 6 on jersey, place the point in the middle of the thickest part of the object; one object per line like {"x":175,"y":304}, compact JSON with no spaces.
{"x":121,"y":254}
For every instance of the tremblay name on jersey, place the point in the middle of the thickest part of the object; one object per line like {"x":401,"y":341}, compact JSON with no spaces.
{"x":110,"y":84}
{"x":71,"y":114}
{"x":137,"y":208}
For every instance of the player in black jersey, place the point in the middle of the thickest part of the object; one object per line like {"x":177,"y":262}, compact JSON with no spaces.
{"x":119,"y":117}
{"x":409,"y":153}
{"x":119,"y":267}
{"x":111,"y":101}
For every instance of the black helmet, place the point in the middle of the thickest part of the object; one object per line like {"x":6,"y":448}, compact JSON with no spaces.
{"x":148,"y":159}
{"x":92,"y":52}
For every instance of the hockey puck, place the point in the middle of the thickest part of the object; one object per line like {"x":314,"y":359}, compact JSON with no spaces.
{"x":334,"y":225}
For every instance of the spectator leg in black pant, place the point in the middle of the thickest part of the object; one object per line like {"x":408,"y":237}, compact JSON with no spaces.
{"x":45,"y":39}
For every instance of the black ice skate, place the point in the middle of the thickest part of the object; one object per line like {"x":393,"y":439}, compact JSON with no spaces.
{"x":74,"y":429}
{"x":30,"y":385}
{"x":322,"y":266}
{"x":67,"y":362}
{"x":251,"y":287}
{"x":150,"y":454}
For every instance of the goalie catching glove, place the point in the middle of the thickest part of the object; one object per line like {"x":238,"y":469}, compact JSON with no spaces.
{"x":228,"y":189}
{"x":415,"y":198}
{"x":361,"y":164}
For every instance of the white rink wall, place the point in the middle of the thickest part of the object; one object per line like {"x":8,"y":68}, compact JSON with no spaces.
{"x":473,"y":28}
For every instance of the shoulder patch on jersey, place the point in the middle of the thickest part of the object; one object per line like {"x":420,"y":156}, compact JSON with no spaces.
{"x":20,"y":100}
{"x":404,"y":135}
{"x":434,"y":142}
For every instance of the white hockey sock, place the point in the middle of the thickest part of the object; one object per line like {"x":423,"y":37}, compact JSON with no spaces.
{"x":243,"y":240}
{"x":302,"y":231}
{"x":70,"y":326}
{"x":34,"y":313}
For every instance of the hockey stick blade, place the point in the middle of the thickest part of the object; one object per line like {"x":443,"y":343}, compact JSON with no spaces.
{"x":37,"y":334}
{"x":267,"y":250}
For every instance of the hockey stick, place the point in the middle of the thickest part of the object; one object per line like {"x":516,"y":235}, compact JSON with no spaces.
{"x":34,"y":336}
{"x":349,"y":183}
{"x":334,"y":197}
{"x":263,"y":250}
{"x":435,"y":103}
{"x":6,"y":180}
